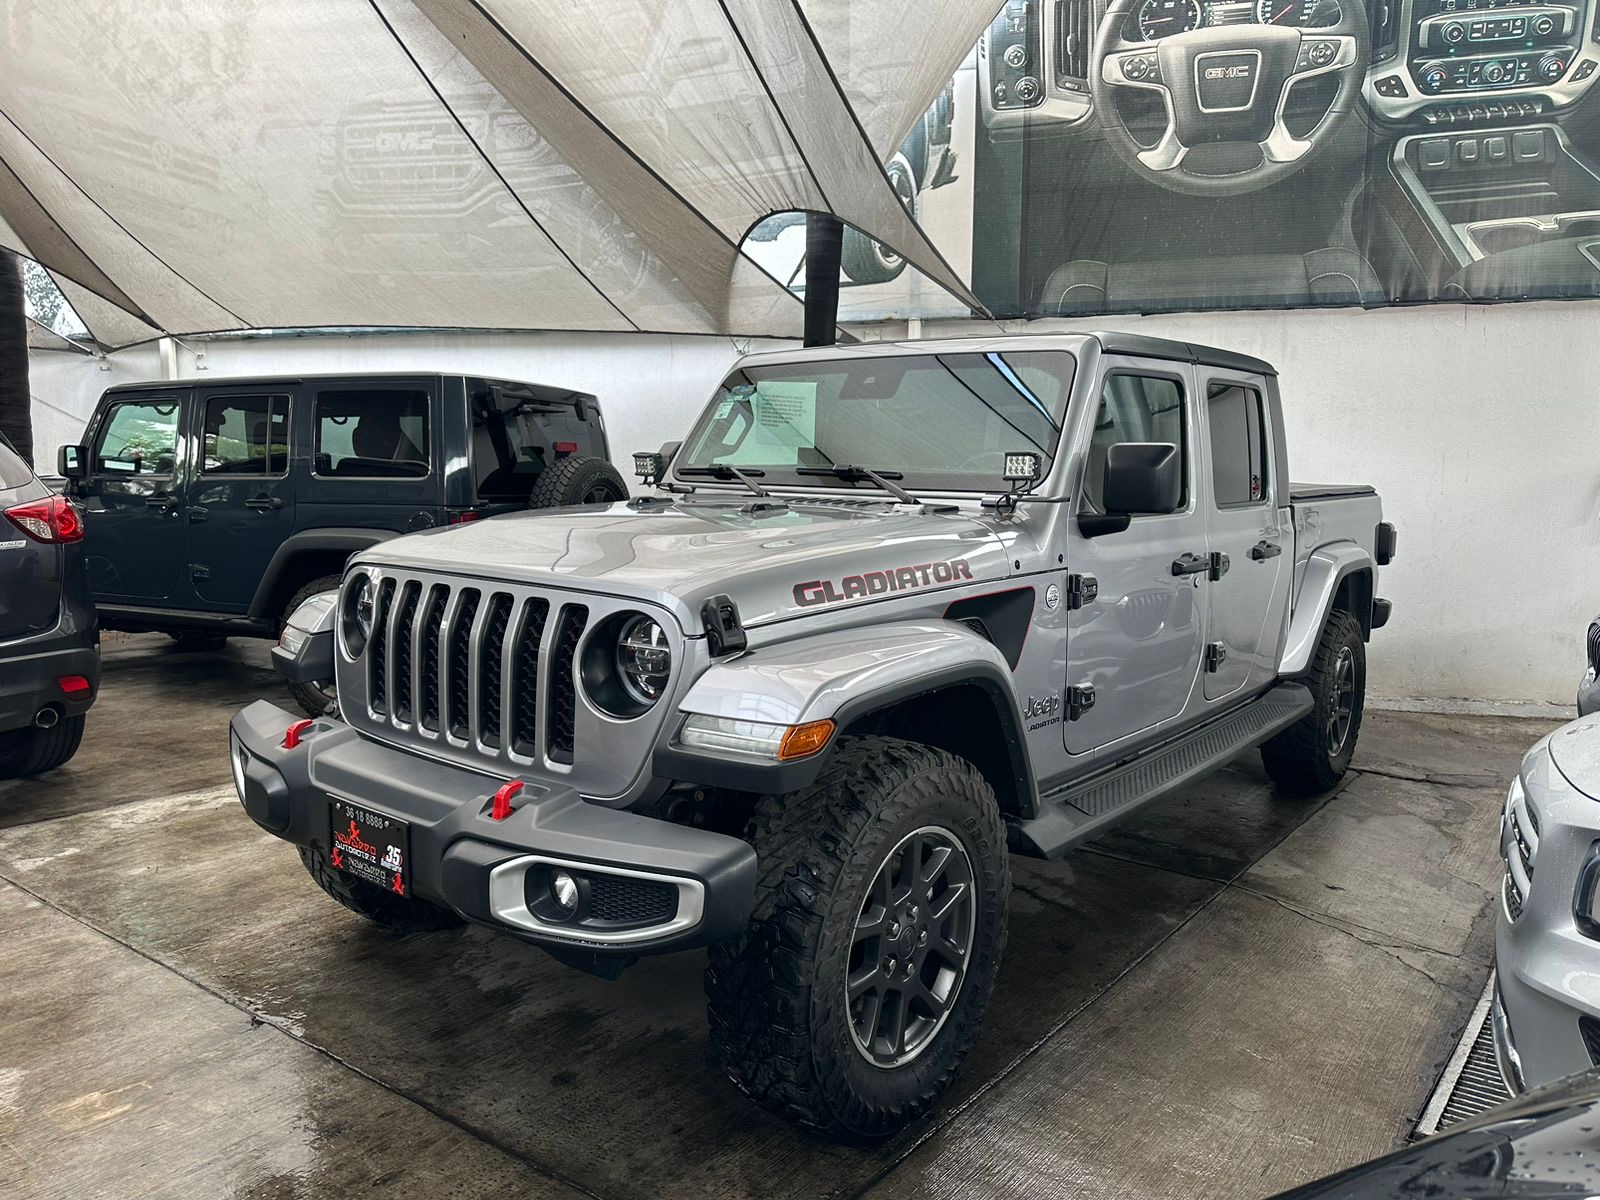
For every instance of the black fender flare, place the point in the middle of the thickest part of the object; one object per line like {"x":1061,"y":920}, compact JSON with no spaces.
{"x":333,"y":538}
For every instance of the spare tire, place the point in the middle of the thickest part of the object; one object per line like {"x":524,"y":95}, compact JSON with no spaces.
{"x":578,"y":481}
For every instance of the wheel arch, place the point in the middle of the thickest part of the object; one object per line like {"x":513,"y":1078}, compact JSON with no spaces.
{"x":1337,"y":576}
{"x":934,"y":682}
{"x":306,"y":556}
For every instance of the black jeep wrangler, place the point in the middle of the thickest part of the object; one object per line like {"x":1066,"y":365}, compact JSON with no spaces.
{"x":213,"y":508}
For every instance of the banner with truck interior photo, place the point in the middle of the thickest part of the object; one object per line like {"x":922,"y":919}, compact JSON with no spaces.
{"x":1128,"y":156}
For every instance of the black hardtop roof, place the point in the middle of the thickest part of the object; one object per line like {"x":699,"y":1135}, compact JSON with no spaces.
{"x":1194,"y":352}
{"x":542,"y":391}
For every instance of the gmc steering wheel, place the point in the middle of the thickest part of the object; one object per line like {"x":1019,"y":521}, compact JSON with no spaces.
{"x":1226,"y":90}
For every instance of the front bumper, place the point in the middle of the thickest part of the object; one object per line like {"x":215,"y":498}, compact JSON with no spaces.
{"x":1547,"y":992}
{"x":29,"y":682}
{"x":463,"y":859}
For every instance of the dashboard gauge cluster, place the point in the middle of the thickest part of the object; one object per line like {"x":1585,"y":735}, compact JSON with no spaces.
{"x":1153,"y":20}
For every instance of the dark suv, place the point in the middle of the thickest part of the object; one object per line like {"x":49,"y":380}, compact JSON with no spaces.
{"x":213,"y":508}
{"x":49,"y":657}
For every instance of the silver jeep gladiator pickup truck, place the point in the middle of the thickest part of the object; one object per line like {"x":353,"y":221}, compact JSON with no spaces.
{"x":890,"y":613}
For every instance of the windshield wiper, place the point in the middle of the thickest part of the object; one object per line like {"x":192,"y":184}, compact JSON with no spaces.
{"x":848,"y":471}
{"x":728,"y":471}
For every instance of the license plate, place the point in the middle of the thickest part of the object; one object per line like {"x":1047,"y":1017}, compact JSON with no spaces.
{"x":371,"y":846}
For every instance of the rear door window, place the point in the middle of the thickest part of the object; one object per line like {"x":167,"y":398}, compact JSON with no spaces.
{"x":140,"y":437}
{"x":13,"y":471}
{"x":1238,"y":444}
{"x":246,"y":435}
{"x":372,"y":433}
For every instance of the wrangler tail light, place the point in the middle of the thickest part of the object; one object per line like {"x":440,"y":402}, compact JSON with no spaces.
{"x":53,"y":519}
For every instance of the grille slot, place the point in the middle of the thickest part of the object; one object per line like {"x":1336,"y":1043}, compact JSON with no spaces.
{"x":619,"y":900}
{"x":491,"y":669}
{"x":458,"y":664}
{"x":428,"y":687}
{"x":1594,"y":646}
{"x":1590,"y":1029}
{"x":1513,"y":898}
{"x":563,"y":684}
{"x":401,"y":640}
{"x":525,"y":679}
{"x":378,"y":651}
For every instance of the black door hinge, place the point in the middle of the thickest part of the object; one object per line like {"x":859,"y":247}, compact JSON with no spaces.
{"x":724,"y":634}
{"x":1081,"y":590}
{"x":1216,"y":655}
{"x":1219,"y":565}
{"x":1080,"y":700}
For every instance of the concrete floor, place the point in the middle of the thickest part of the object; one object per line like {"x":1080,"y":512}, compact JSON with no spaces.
{"x":1229,"y":996}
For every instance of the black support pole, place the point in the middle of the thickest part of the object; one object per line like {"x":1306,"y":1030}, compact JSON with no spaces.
{"x":824,"y":237}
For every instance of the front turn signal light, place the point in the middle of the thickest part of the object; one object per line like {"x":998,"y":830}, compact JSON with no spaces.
{"x":805,"y":740}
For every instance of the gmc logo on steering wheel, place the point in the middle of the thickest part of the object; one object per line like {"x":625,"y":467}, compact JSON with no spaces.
{"x":1241,"y":72}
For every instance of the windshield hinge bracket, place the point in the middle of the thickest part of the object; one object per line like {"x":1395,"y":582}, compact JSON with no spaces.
{"x":719,"y":615}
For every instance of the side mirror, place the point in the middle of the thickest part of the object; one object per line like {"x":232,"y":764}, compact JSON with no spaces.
{"x":72,"y":462}
{"x":1142,"y":478}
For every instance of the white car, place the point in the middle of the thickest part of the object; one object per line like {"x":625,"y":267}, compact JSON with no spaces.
{"x":1547,"y":946}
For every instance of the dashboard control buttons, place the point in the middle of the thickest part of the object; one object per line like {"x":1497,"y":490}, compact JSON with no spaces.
{"x":1585,"y":69}
{"x":1544,"y":25}
{"x":1495,"y":149}
{"x":1453,"y":33}
{"x":1435,"y":77}
{"x":1026,"y":90}
{"x":1016,"y":56}
{"x":1320,"y":54}
{"x":1528,"y":145}
{"x":1552,"y":67}
{"x":1434,"y":154}
{"x":1494,"y":72}
{"x":1390,"y":85}
{"x":1467,"y":150}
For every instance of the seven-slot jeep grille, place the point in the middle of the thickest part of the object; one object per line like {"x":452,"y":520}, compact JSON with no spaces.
{"x":487,"y":675}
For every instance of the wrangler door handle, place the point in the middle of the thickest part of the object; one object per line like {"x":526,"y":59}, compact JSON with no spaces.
{"x":164,"y":503}
{"x":264,"y":503}
{"x":1191,"y":564}
{"x":1264,"y":549}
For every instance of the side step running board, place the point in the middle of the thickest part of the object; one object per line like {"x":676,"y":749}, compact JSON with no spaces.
{"x":1082,"y":809}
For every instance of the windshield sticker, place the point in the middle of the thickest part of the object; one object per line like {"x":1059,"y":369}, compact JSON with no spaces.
{"x":879,"y":583}
{"x":787,"y":410}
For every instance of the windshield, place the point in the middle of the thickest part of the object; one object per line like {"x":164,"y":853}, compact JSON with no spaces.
{"x":942,"y":422}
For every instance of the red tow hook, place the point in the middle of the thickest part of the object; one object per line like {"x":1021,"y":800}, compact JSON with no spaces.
{"x":291,"y":735}
{"x":502,"y":800}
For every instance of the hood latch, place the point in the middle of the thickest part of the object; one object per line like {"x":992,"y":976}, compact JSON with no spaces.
{"x":724,"y":634}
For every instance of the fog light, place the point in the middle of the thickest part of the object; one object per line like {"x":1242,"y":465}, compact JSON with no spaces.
{"x":564,"y":891}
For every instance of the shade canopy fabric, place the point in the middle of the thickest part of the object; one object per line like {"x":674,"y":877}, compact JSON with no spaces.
{"x":489,"y":164}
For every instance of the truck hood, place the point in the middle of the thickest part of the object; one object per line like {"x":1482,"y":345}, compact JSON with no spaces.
{"x":1575,"y":749}
{"x":775,"y":559}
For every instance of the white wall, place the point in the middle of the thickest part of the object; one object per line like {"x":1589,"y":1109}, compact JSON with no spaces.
{"x":1477,"y":424}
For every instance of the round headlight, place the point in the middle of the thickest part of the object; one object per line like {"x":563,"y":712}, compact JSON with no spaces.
{"x":644,"y":659}
{"x":360,"y":601}
{"x":366,"y":603}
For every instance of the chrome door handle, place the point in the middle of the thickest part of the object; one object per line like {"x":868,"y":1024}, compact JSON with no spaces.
{"x":1264,"y":549}
{"x":1191,"y":564}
